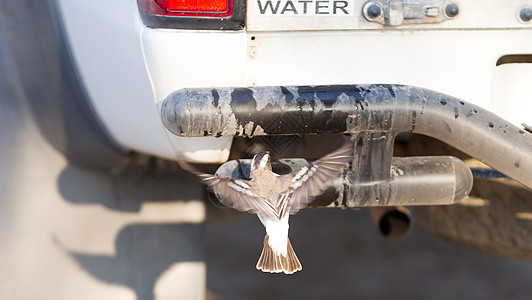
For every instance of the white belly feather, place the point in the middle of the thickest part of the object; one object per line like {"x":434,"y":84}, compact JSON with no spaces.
{"x":278,"y":234}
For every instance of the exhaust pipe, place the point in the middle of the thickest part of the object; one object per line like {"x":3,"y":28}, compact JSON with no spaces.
{"x":393,"y":222}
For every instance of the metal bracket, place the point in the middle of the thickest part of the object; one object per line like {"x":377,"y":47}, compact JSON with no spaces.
{"x":404,"y":12}
{"x":406,"y":181}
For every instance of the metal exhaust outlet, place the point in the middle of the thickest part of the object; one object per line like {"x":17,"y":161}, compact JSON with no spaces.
{"x":393,"y":222}
{"x":377,"y":113}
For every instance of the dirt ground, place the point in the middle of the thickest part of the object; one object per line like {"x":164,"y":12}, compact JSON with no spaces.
{"x":344,"y":257}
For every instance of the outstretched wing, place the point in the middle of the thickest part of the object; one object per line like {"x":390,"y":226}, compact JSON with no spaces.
{"x":312,"y":180}
{"x":235,"y":193}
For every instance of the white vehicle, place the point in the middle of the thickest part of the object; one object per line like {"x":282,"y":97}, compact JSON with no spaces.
{"x":214,"y":80}
{"x":128,"y":67}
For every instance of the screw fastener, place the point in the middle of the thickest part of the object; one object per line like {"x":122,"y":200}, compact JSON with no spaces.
{"x":526,"y":14}
{"x":452,"y":10}
{"x":374,"y":11}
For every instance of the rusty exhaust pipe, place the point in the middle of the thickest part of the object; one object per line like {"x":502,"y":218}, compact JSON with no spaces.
{"x":393,"y":222}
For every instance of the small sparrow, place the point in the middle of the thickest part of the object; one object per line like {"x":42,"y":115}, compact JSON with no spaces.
{"x":275,"y":197}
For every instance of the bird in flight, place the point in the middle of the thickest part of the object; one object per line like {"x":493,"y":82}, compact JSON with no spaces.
{"x":275,"y":197}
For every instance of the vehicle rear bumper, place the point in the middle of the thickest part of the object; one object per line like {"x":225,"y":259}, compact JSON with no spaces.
{"x":376,"y":112}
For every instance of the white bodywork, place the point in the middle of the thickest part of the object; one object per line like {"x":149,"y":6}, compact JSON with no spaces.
{"x":128,"y":69}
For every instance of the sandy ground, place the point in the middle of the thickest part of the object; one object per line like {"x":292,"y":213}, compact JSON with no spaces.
{"x":344,"y":257}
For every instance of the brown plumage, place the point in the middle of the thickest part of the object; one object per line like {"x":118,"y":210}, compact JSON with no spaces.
{"x":274,"y":197}
{"x":270,"y":261}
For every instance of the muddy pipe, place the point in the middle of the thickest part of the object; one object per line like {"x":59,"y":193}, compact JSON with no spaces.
{"x":381,"y":111}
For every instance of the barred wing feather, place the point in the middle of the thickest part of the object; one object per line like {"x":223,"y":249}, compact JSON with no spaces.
{"x":312,"y":180}
{"x":235,"y":193}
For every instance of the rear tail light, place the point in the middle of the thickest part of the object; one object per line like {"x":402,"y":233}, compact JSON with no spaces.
{"x":194,"y":14}
{"x":204,"y":8}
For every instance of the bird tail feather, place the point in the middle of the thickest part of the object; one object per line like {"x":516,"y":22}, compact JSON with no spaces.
{"x":274,"y":262}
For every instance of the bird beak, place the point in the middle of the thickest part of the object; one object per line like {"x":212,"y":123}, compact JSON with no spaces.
{"x":265,"y":160}
{"x":261,"y":161}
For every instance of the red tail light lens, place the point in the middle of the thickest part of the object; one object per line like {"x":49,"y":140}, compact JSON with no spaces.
{"x":197,"y":8}
{"x":219,"y":6}
{"x":194,"y":14}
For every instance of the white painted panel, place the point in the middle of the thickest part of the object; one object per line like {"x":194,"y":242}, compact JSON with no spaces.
{"x":512,"y":92}
{"x":188,"y":58}
{"x":104,"y":38}
{"x":473,"y":15}
{"x":458,"y":63}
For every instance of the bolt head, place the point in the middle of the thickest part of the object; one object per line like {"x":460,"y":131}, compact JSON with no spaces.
{"x":452,"y":10}
{"x":526,"y":14}
{"x":374,"y":11}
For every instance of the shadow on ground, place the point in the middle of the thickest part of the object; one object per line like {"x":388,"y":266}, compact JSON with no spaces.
{"x":143,"y":253}
{"x":140,"y":179}
{"x":143,"y":250}
{"x":343,"y":257}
